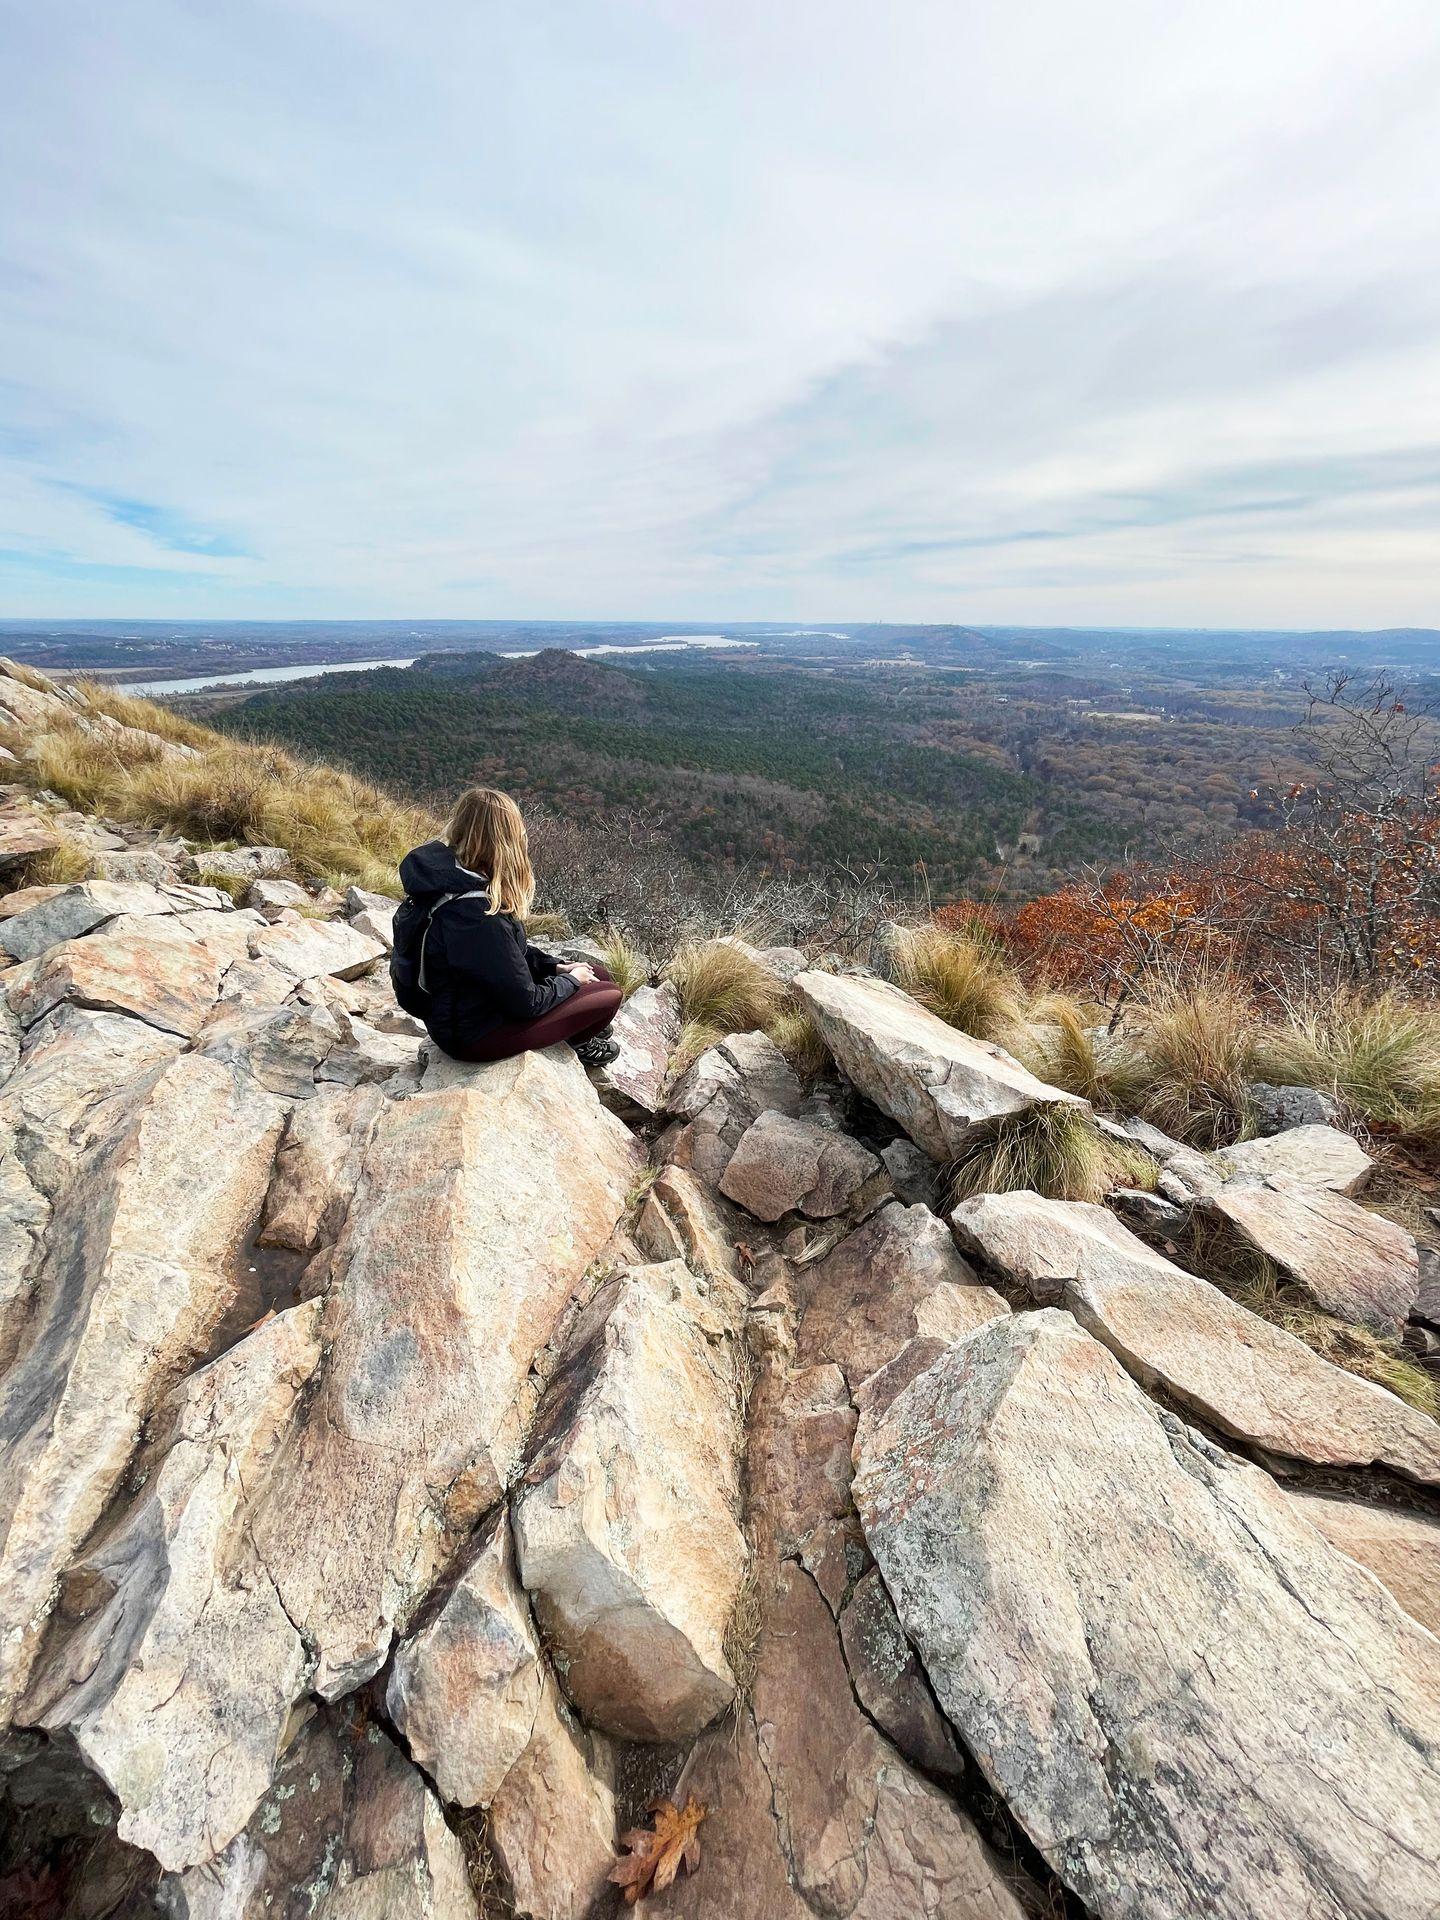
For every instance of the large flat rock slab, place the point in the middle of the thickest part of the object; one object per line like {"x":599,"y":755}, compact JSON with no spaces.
{"x":477,"y":1208}
{"x":627,"y":1519}
{"x":1350,"y":1262}
{"x":1189,"y":1699}
{"x":936,"y":1082}
{"x":55,"y":1104}
{"x":305,"y":947}
{"x":70,"y":912}
{"x":1401,"y":1549}
{"x":158,"y":969}
{"x":1312,"y":1156}
{"x":178,"y":1688}
{"x":138,"y":1278}
{"x":1176,"y":1331}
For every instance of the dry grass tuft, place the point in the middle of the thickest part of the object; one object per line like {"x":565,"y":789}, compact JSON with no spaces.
{"x":62,"y":866}
{"x":131,"y":710}
{"x":1193,"y":1057}
{"x":796,"y":1035}
{"x":696,"y":1037}
{"x":1379,"y":1055}
{"x":1067,"y":1050}
{"x":488,"y":1884}
{"x":548,"y":926}
{"x":1361,"y":1353}
{"x":92,"y":772}
{"x":629,"y":969}
{"x":228,"y":883}
{"x":742,"y":1635}
{"x":1057,"y":1151}
{"x":963,"y":980}
{"x":722,"y":990}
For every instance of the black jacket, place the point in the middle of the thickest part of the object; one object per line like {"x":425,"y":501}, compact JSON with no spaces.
{"x":480,"y":971}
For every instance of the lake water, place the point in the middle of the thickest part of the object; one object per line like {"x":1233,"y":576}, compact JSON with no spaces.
{"x":667,"y":643}
{"x":256,"y":677}
{"x":271,"y":676}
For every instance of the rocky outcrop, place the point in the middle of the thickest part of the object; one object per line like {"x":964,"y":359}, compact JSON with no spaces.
{"x":782,"y":1165}
{"x":1402,"y":1550}
{"x":476,"y":1210}
{"x":941,"y":1086}
{"x":1312,"y":1156}
{"x":1351,"y":1262}
{"x":1175,"y":1331}
{"x":67,"y":913}
{"x":895,"y":1277}
{"x":812,"y":1808}
{"x":348,"y":1831}
{"x":481,"y":1712}
{"x":400,"y":1475}
{"x":137,"y":1279}
{"x":1158,"y":1753}
{"x":627,"y":1518}
{"x":178,"y":1678}
{"x":724,"y":1093}
{"x":162,"y":971}
{"x":317,"y":1168}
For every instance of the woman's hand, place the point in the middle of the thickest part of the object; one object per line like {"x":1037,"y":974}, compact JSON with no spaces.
{"x":578,"y":970}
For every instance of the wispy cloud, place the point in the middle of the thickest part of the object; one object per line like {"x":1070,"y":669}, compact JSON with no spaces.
{"x":1123,"y":312}
{"x":163,"y":525}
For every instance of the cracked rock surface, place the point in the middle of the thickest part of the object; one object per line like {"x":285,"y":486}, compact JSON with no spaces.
{"x":412,"y":1469}
{"x":1279,"y":1754}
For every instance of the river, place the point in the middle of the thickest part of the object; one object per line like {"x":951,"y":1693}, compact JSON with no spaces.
{"x":256,"y":676}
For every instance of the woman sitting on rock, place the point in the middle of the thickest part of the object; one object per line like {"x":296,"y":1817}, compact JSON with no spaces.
{"x":461,"y":960}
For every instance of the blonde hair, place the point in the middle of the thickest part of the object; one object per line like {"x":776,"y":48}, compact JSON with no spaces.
{"x":487,"y":834}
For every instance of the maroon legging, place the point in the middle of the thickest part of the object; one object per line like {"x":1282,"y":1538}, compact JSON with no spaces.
{"x":591,"y":1007}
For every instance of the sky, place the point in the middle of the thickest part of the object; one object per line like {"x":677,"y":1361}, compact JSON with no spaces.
{"x":1050,"y":311}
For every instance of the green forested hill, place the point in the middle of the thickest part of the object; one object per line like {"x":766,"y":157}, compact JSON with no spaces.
{"x":789,"y":767}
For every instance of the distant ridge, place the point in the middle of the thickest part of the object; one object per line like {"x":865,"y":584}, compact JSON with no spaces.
{"x":555,"y":677}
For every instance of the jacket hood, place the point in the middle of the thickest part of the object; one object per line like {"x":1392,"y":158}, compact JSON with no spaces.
{"x":433,"y":869}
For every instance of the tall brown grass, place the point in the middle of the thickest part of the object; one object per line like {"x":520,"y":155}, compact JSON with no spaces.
{"x":1379,"y":1055}
{"x":132,"y":710}
{"x":1195,"y":1053}
{"x":723,"y":990}
{"x":1057,"y":1151}
{"x":800,"y":1040}
{"x":628,"y":968}
{"x":338,"y":829}
{"x":962,"y":980}
{"x":1070,"y":1050}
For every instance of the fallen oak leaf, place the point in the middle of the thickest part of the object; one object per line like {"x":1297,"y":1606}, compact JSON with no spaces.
{"x":656,"y":1854}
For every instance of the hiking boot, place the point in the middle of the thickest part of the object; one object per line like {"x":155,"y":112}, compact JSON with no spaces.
{"x":598,"y":1051}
